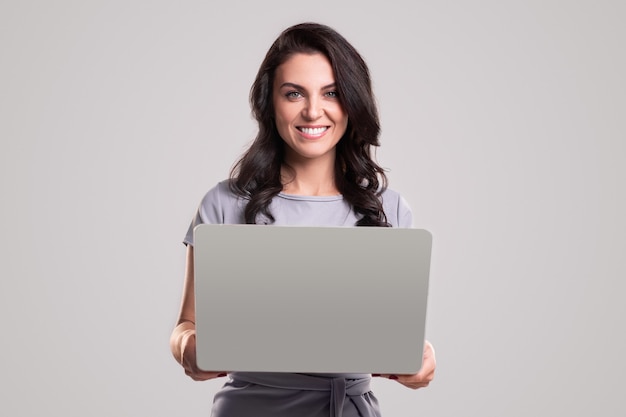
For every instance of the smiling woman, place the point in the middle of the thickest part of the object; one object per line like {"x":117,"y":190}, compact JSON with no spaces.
{"x":310,"y":164}
{"x":310,"y":119}
{"x":263,"y":172}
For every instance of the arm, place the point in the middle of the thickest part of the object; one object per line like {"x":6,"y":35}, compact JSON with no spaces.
{"x":424,"y":376}
{"x":183,"y":339}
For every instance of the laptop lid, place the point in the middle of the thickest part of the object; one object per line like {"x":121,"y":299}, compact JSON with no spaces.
{"x":311,"y":299}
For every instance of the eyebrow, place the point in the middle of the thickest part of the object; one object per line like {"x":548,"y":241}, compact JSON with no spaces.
{"x":299,"y":87}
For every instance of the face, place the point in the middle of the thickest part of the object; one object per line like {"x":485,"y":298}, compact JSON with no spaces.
{"x":309,"y":116}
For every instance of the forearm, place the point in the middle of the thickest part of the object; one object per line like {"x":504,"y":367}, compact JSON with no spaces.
{"x":179,"y":337}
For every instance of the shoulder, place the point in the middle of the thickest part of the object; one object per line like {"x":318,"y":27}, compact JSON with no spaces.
{"x":221,"y":205}
{"x":218,"y":206}
{"x":391,"y":196}
{"x":396,"y":209}
{"x":219,"y":192}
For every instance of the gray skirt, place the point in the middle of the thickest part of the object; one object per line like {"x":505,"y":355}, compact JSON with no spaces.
{"x":253,"y":394}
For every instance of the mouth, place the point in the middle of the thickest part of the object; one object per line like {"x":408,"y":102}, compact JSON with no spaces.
{"x":313,"y":131}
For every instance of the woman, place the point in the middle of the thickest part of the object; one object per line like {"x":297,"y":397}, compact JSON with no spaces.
{"x":310,"y":164}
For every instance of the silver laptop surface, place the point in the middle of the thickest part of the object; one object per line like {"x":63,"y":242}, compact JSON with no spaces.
{"x":311,"y":299}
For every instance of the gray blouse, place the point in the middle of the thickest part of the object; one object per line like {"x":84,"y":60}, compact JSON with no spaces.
{"x":221,"y":206}
{"x":255,"y":394}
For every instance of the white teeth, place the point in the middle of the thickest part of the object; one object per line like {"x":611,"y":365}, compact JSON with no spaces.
{"x":313,"y":130}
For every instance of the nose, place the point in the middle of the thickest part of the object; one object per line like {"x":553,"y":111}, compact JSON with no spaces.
{"x":313,"y":109}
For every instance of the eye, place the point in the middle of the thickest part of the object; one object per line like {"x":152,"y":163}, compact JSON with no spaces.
{"x":332,"y":94}
{"x":293,"y":95}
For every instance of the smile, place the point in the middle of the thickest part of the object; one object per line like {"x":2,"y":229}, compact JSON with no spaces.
{"x":313,"y":130}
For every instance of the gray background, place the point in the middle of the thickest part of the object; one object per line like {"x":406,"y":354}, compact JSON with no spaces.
{"x":503,"y":126}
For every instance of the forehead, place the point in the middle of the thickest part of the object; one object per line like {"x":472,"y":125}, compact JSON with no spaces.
{"x":306,"y":70}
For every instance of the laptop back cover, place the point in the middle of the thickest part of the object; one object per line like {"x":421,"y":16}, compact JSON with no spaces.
{"x":310,"y":299}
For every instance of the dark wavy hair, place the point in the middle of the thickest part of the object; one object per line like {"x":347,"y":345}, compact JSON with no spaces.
{"x":256,"y":176}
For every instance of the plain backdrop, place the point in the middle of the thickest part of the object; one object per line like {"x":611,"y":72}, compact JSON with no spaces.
{"x":503,"y":125}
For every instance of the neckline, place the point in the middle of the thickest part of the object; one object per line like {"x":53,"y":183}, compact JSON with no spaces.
{"x":299,"y":197}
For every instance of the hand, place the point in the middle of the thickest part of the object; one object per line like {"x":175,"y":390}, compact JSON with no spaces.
{"x":188,"y":358}
{"x":425,"y":374}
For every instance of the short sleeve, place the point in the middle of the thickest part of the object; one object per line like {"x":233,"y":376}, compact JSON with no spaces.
{"x":405,"y":215}
{"x":218,"y":206}
{"x":397,"y":210}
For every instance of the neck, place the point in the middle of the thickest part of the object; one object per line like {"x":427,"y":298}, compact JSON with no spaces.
{"x":313,"y":177}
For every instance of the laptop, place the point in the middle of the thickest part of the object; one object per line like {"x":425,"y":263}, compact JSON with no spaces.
{"x":311,"y":299}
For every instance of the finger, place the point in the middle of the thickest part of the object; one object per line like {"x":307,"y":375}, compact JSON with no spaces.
{"x":429,"y":364}
{"x":200,"y":375}
{"x":429,"y":352}
{"x":412,"y":381}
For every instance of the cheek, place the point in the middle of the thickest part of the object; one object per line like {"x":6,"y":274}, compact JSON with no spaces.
{"x":282,"y":125}
{"x":281,"y":114}
{"x":280,"y":120}
{"x":343,"y":121}
{"x":341,"y":118}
